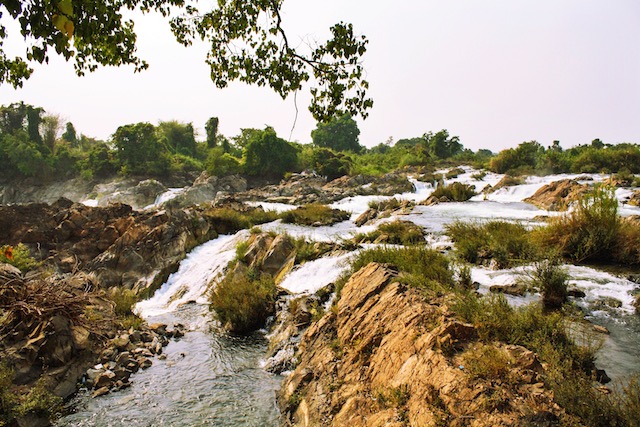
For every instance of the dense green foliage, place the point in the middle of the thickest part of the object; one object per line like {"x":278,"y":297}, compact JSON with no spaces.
{"x":339,"y":134}
{"x":266,"y":154}
{"x":97,"y":33}
{"x":533,"y":158}
{"x":38,"y":401}
{"x":593,"y":231}
{"x":19,"y":256}
{"x":396,"y":233}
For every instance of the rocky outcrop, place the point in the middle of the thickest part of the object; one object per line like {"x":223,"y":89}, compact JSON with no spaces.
{"x":120,"y":246}
{"x":558,"y":195}
{"x":385,"y":209}
{"x":634,"y":200}
{"x":300,"y":189}
{"x":137,"y":195}
{"x":33,"y":190}
{"x":205,"y":189}
{"x":506,"y":181}
{"x":386,"y":357}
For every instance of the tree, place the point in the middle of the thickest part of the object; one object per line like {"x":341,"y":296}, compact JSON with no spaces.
{"x":267,"y":154}
{"x":442,"y":146}
{"x":211,"y":127}
{"x":327,"y":163}
{"x":178,"y":137}
{"x":139,"y":151}
{"x":50,"y":127}
{"x":70,"y":134}
{"x":339,"y":134}
{"x":247,"y":38}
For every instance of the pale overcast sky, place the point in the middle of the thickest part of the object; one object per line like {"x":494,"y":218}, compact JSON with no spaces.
{"x":493,"y":72}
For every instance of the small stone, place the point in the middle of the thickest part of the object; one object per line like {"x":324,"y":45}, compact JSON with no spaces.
{"x":576,"y":292}
{"x":158,"y":328}
{"x":100,"y":392}
{"x":601,"y":329}
{"x":105,"y":379}
{"x":145,"y":363}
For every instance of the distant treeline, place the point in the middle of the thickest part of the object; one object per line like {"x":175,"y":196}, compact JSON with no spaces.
{"x":34,"y":143}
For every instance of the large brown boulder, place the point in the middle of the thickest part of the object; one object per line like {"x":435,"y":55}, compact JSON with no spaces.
{"x":558,"y":195}
{"x":387,"y":357}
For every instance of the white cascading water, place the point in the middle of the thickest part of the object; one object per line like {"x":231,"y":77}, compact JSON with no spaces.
{"x":191,"y":281}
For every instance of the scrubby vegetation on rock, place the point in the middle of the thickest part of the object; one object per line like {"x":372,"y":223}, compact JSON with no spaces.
{"x":504,"y":243}
{"x":243,"y":302}
{"x":454,"y":192}
{"x":396,"y":232}
{"x":315,"y":215}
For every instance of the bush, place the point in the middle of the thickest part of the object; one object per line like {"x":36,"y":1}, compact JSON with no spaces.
{"x":589,"y":232}
{"x":315,"y":215}
{"x":551,"y":280}
{"x":38,"y":401}
{"x":124,"y":300}
{"x":396,"y":233}
{"x":19,"y":256}
{"x":456,"y":192}
{"x":227,"y":220}
{"x":505,"y":242}
{"x":486,"y":362}
{"x":243,"y":303}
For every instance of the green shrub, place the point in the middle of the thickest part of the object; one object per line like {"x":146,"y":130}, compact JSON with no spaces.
{"x":505,"y":242}
{"x":486,"y":362}
{"x":456,"y":192}
{"x":589,"y":232}
{"x":19,"y":256}
{"x":227,"y":220}
{"x":453,"y":173}
{"x":124,"y":300}
{"x":243,"y":303}
{"x":551,"y":280}
{"x":314,"y":214}
{"x":396,"y":233}
{"x":418,"y":266}
{"x":38,"y":401}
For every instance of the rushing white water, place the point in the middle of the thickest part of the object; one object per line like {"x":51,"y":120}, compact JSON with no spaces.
{"x":190,"y":282}
{"x":314,"y":275}
{"x":171,"y":193}
{"x":276,"y":207}
{"x":597,"y":285}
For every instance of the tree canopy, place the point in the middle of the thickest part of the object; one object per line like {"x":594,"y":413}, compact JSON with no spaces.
{"x":340,"y":134}
{"x":247,"y":39}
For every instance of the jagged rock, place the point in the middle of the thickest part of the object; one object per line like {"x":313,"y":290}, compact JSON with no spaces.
{"x":636,"y":303}
{"x":382,"y":341}
{"x":205,"y":188}
{"x":634,"y":200}
{"x":606,"y":302}
{"x":515,"y":289}
{"x":100,"y":392}
{"x":576,"y":292}
{"x":104,"y":379}
{"x":279,"y":251}
{"x":506,"y":181}
{"x":558,"y":195}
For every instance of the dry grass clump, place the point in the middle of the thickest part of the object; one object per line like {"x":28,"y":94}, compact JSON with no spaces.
{"x":396,"y":233}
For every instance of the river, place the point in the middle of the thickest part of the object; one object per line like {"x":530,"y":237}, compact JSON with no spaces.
{"x":209,"y":378}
